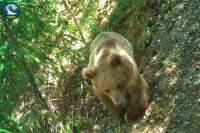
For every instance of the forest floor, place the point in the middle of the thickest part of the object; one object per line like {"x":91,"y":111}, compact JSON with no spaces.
{"x":171,"y":66}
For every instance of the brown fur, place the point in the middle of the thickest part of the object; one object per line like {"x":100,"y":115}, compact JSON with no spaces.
{"x":113,"y":72}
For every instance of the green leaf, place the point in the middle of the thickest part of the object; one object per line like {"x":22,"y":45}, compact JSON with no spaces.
{"x":4,"y":131}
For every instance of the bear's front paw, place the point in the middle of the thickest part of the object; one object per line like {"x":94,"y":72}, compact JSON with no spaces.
{"x":120,"y":114}
{"x":127,"y":119}
{"x":131,"y":114}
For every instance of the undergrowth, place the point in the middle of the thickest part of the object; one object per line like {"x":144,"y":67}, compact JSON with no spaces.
{"x":129,"y":18}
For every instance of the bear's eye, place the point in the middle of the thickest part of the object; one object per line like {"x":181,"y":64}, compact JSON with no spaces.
{"x":107,"y":91}
{"x":119,"y":86}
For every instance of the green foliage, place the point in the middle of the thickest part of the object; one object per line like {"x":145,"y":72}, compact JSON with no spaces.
{"x":37,"y":40}
{"x":128,"y":17}
{"x":168,"y":63}
{"x":95,"y":30}
{"x":131,"y":11}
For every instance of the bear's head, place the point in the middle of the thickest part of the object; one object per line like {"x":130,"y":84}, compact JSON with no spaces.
{"x":111,"y":76}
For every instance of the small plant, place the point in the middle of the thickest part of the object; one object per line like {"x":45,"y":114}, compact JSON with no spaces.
{"x":95,"y":30}
{"x":168,"y":63}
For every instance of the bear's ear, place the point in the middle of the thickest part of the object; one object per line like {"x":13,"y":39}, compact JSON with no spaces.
{"x":114,"y":58}
{"x":89,"y":73}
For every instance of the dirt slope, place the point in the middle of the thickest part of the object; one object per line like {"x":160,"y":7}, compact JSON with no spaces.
{"x":171,"y":66}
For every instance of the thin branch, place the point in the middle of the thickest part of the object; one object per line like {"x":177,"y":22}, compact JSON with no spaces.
{"x":34,"y":87}
{"x":67,"y":6}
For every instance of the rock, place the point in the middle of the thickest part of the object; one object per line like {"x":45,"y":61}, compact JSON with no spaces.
{"x":184,"y":86}
{"x":194,"y":75}
{"x":186,"y":123}
{"x":136,"y":125}
{"x":197,"y":67}
{"x":160,"y":129}
{"x":183,"y":97}
{"x":193,"y":70}
{"x":109,"y":131}
{"x":101,"y":115}
{"x":179,"y":17}
{"x":197,"y":40}
{"x":190,"y":77}
{"x":196,"y":84}
{"x":98,"y":127}
{"x":167,"y":119}
{"x":198,"y":100}
{"x":198,"y":74}
{"x":104,"y":107}
{"x":158,"y":99}
{"x":186,"y":82}
{"x":161,"y":85}
{"x":144,"y":61}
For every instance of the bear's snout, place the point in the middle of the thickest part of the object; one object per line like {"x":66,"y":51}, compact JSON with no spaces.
{"x":120,"y":105}
{"x":118,"y":98}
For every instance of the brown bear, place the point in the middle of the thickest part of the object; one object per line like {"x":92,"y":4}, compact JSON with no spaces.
{"x":113,"y":72}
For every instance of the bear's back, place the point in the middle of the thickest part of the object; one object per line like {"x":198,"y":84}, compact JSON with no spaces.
{"x":104,"y":36}
{"x":107,"y":42}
